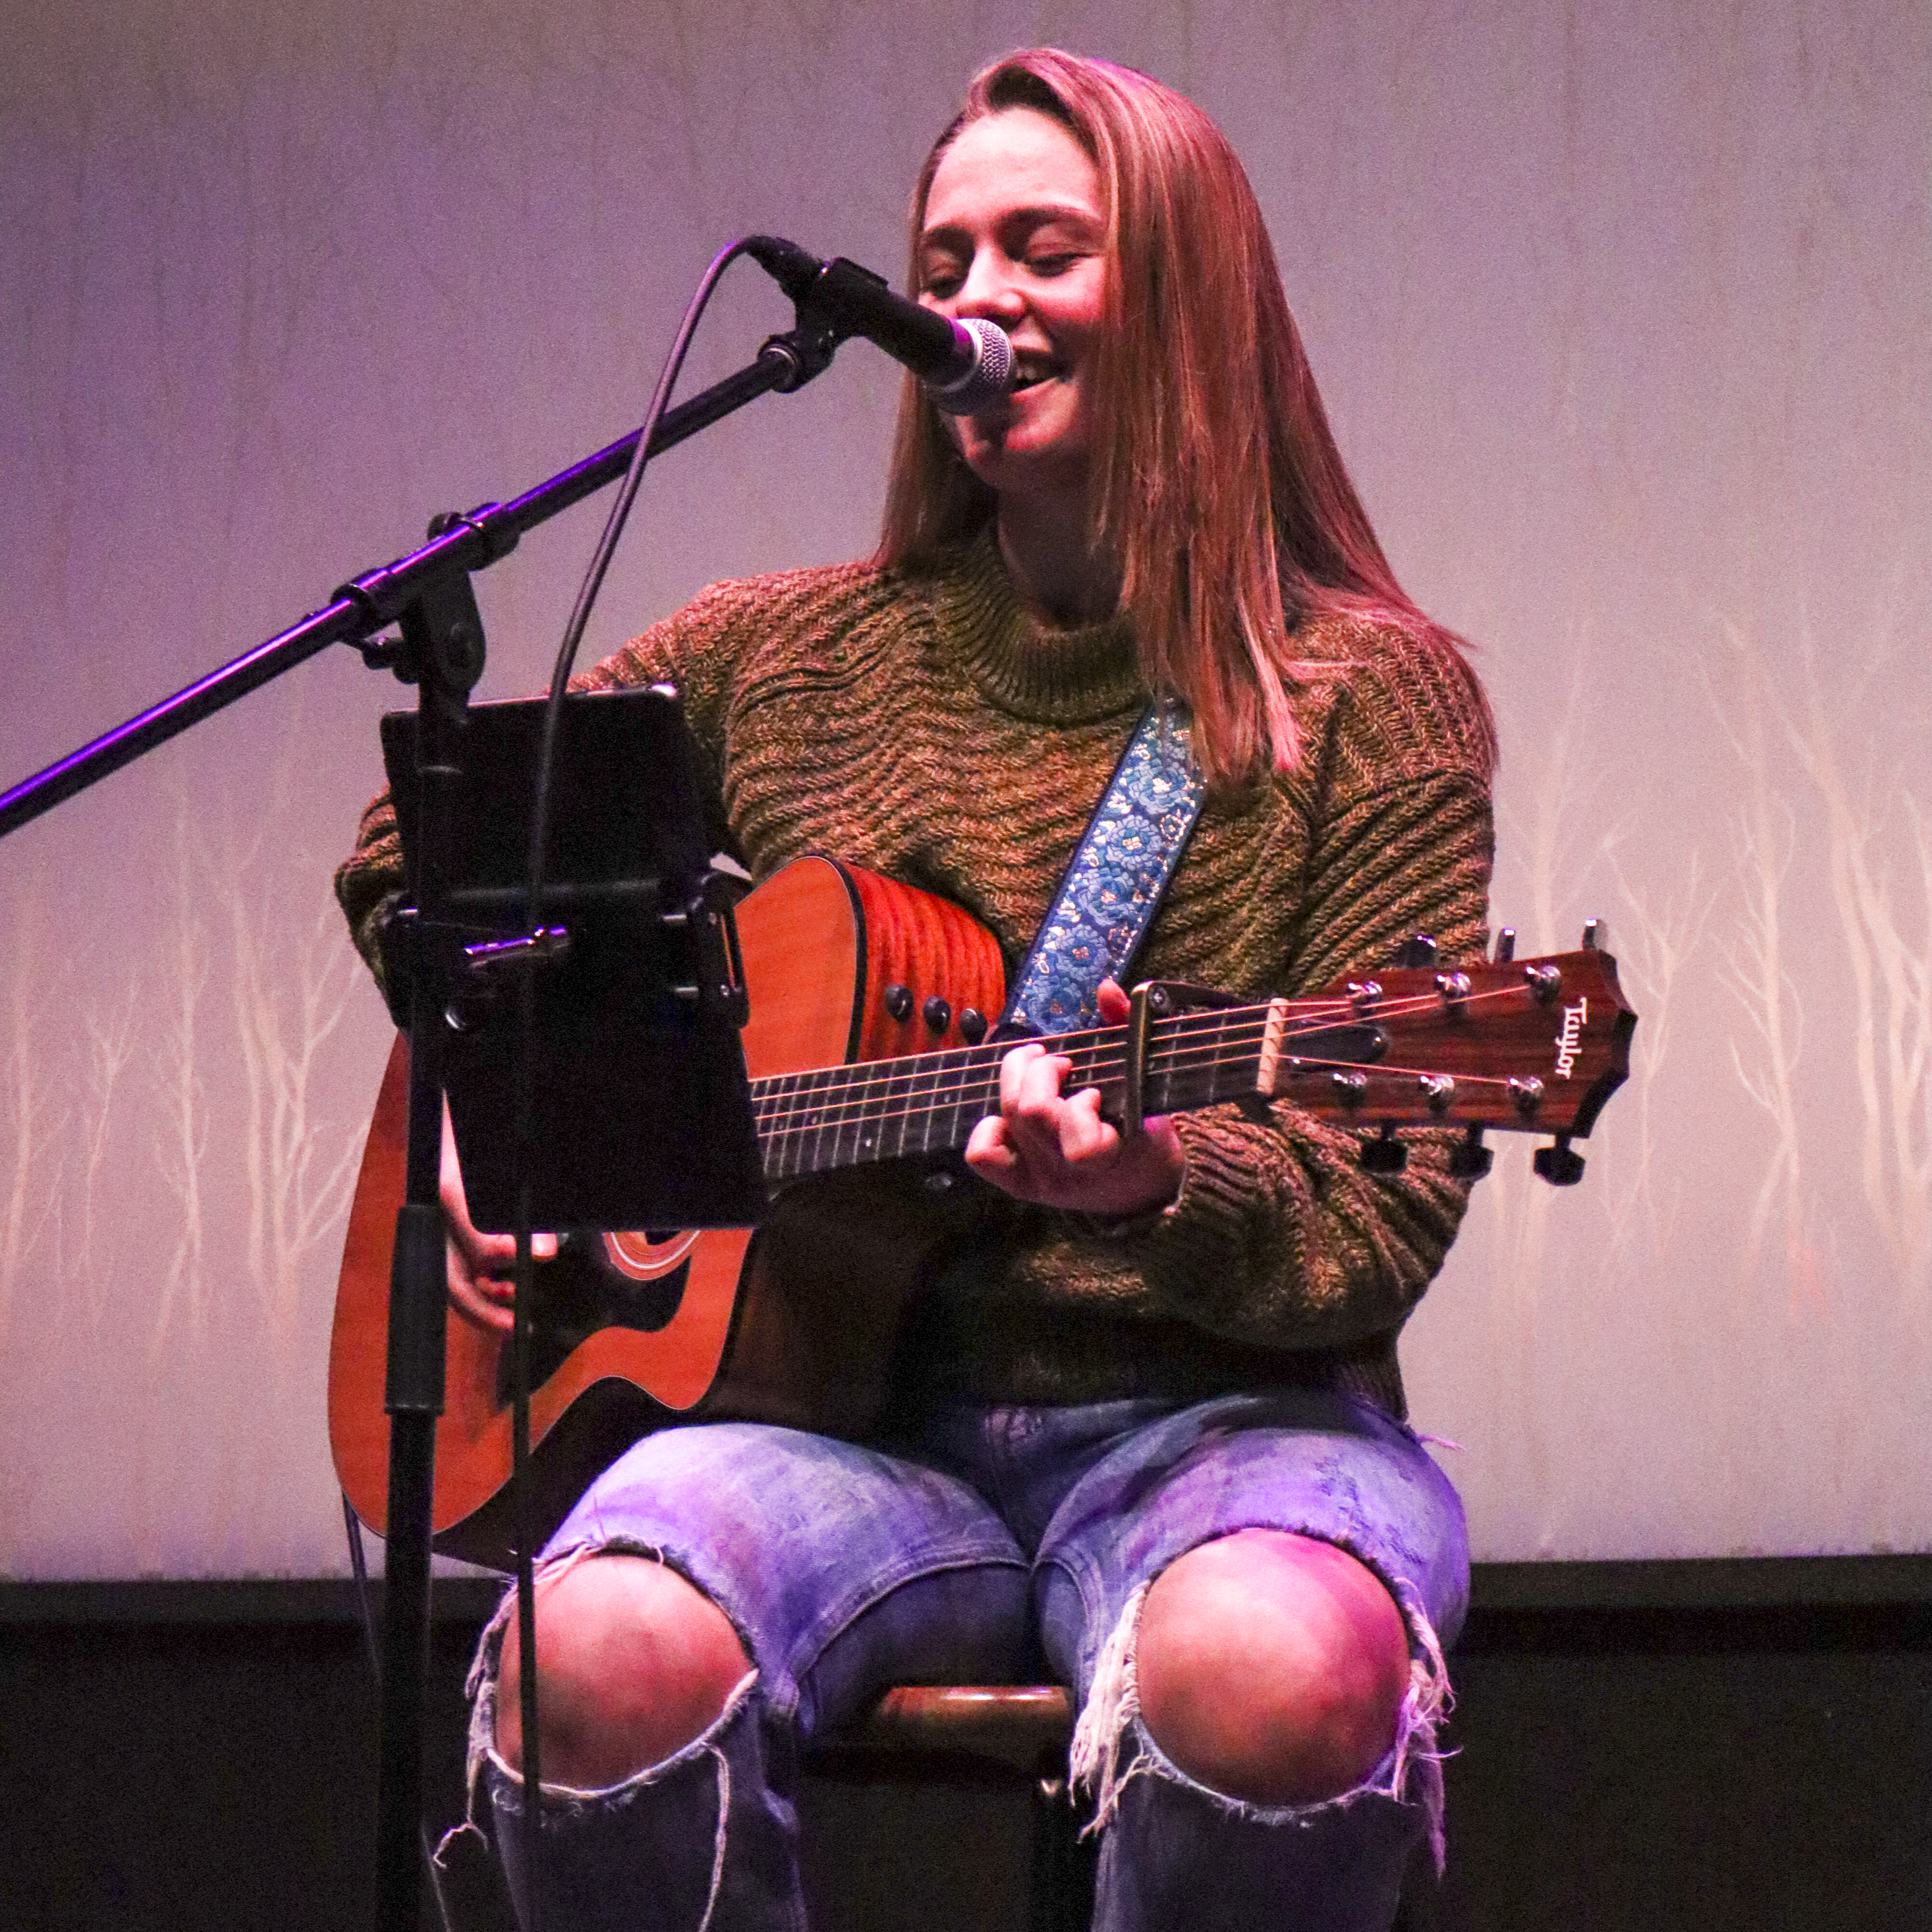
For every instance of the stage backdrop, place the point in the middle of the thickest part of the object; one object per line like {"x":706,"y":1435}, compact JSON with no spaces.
{"x":1623,"y":315}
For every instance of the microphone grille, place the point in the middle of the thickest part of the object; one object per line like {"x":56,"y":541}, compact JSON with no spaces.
{"x":989,"y":378}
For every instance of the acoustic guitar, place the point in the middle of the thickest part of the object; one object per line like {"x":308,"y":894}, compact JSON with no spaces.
{"x":869,"y":1069}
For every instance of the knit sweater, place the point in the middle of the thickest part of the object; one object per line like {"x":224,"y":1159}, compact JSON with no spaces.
{"x":928,"y":728}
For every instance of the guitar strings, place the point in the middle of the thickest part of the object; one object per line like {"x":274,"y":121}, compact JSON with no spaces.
{"x":1243,"y":1028}
{"x":832,"y":1100}
{"x":842,"y":1089}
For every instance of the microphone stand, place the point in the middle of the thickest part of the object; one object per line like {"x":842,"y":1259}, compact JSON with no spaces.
{"x":460,"y":542}
{"x":428,"y":594}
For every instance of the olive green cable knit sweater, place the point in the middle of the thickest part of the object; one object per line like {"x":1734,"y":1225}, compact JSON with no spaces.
{"x":928,"y":727}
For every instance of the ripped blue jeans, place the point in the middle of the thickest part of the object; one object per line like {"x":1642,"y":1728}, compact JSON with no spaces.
{"x":961,"y":1556}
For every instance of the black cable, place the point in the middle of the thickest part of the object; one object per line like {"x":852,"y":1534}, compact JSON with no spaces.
{"x":520,"y":1411}
{"x":600,"y":562}
{"x":359,"y":1563}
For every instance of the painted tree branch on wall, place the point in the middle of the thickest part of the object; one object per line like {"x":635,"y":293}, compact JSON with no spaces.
{"x":1885,"y":910}
{"x":1656,"y":936}
{"x":1763,"y":836}
{"x":34,"y":1118}
{"x":179,"y":1091}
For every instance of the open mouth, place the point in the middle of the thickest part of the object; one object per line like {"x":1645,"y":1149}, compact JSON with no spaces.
{"x":1029,"y":371}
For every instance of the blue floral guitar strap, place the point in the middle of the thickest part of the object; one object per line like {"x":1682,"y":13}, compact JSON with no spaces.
{"x":1103,"y":907}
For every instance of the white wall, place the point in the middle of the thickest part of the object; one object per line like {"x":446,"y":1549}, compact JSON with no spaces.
{"x":1622,"y":314}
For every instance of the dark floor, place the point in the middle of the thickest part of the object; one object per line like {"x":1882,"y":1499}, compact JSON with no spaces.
{"x":1704,"y":1771}
{"x":1648,"y":1746}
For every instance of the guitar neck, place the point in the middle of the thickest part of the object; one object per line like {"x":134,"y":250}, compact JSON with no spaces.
{"x":1533,"y":1046}
{"x":840,"y":1117}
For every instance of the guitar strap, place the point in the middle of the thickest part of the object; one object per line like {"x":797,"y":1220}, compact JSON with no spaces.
{"x":1103,"y":906}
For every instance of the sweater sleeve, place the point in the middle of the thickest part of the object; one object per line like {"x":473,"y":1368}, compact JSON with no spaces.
{"x":1278,"y":1238}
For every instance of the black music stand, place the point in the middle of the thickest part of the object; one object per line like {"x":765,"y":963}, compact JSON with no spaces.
{"x":640,"y":1108}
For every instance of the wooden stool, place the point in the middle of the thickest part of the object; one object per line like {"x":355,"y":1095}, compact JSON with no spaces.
{"x":934,"y":1732}
{"x":954,"y":1732}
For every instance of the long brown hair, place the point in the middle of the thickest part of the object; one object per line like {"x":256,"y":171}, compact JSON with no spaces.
{"x":1216,"y":479}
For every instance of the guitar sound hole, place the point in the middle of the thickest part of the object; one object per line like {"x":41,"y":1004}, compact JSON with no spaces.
{"x":580,"y":1293}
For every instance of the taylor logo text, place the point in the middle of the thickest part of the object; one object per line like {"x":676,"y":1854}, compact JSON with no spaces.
{"x":1570,"y":1040}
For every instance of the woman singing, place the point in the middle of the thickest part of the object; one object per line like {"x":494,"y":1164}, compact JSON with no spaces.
{"x":1147,"y":1425}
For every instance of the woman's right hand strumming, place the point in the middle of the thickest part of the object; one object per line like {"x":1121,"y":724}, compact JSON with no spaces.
{"x":481,"y":1267}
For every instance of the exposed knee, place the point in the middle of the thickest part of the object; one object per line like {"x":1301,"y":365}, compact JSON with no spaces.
{"x":633,"y":1662}
{"x":1271,"y":1667}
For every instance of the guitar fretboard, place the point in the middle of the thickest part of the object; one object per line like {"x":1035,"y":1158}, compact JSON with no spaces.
{"x":1511,"y":1052}
{"x":838,"y":1117}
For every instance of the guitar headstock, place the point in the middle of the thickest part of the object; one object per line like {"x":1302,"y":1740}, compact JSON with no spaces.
{"x":1530,"y":1046}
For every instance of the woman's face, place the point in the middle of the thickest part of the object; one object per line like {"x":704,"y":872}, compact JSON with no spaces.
{"x":1016,"y":231}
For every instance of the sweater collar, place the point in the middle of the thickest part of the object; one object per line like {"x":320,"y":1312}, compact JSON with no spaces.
{"x":1032,"y":669}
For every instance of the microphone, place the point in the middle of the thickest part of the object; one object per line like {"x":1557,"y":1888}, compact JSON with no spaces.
{"x":965,"y":366}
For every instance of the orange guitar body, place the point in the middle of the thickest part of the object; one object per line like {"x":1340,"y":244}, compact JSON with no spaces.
{"x":794,"y":1324}
{"x":798,"y":1323}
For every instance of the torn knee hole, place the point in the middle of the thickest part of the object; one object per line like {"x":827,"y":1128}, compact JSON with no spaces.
{"x":634,"y":1664}
{"x":1404,"y":1763}
{"x":1113,"y":1704}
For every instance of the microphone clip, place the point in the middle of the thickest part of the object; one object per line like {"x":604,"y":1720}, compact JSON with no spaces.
{"x":964,"y":365}
{"x":806,"y":350}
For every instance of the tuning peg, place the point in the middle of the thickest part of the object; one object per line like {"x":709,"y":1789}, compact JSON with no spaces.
{"x":1593,"y":935}
{"x":1418,"y":949}
{"x":1384,"y":1154}
{"x":1469,"y":1159}
{"x":1505,"y":945}
{"x":1559,"y":1163}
